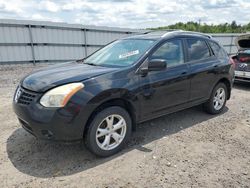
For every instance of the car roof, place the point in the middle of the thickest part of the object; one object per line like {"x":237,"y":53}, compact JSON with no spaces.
{"x":158,"y":35}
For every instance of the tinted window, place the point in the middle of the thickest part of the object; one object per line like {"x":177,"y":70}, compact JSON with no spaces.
{"x":197,"y":49}
{"x":218,"y":51}
{"x":171,"y":51}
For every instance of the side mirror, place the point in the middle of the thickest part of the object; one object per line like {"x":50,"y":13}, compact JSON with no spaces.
{"x":157,"y":65}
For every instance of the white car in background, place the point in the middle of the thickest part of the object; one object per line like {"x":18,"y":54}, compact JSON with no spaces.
{"x":242,"y":59}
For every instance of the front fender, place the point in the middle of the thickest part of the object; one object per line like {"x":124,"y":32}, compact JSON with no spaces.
{"x":111,"y":94}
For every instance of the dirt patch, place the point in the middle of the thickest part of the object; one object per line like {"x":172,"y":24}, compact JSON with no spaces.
{"x":185,"y":149}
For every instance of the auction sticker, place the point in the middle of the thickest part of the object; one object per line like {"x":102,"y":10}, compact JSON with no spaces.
{"x":128,"y":54}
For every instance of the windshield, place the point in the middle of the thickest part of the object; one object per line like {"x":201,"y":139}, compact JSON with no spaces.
{"x":120,"y":53}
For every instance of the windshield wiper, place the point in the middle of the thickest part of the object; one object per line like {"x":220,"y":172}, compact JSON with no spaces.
{"x":80,"y":60}
{"x":91,"y":64}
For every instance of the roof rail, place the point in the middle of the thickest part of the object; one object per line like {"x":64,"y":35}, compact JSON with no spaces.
{"x":198,"y":33}
{"x":180,"y":30}
{"x":165,"y":34}
{"x":167,"y":30}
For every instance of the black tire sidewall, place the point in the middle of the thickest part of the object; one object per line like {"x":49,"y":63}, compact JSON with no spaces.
{"x":90,"y":137}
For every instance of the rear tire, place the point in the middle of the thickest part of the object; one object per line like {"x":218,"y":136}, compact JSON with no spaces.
{"x":217,"y":100}
{"x":109,"y":131}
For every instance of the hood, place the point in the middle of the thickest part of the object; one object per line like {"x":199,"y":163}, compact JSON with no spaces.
{"x":243,"y":42}
{"x":52,"y":76}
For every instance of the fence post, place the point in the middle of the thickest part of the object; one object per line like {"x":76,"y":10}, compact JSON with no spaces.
{"x":32,"y":45}
{"x":231,"y":44}
{"x":85,"y":42}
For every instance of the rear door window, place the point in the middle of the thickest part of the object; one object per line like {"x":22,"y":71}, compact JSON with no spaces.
{"x":197,"y":49}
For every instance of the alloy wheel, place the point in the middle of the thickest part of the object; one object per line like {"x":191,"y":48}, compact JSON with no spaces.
{"x":111,"y":131}
{"x":219,"y":98}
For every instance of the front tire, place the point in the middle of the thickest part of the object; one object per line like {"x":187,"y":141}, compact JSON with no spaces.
{"x":217,"y":100}
{"x":108,"y":132}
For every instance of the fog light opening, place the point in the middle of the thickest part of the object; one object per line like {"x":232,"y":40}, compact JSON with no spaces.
{"x":48,"y":134}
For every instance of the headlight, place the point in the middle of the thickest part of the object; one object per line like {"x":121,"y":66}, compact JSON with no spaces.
{"x":59,"y":96}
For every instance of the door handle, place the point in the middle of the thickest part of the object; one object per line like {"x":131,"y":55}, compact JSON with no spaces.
{"x":183,"y":73}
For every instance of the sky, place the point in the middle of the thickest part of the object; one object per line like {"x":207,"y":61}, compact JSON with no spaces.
{"x":127,"y":13}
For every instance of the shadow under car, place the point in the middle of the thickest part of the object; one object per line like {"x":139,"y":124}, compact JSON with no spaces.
{"x":45,"y":159}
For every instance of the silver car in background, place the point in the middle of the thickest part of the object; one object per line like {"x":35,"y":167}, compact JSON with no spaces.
{"x":242,"y":59}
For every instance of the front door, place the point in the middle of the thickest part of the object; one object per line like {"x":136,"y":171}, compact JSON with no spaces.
{"x":166,"y":89}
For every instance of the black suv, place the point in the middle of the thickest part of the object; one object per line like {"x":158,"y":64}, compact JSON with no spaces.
{"x":101,"y":99}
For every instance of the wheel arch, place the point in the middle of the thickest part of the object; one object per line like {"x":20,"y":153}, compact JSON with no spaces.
{"x":228,"y":85}
{"x":121,"y":102}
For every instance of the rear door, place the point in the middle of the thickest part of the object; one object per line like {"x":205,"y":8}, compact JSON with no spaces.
{"x":202,"y":65}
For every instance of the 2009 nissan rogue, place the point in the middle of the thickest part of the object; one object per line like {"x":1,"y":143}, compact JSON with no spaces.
{"x":101,"y":98}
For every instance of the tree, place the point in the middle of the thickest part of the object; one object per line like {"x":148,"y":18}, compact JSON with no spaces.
{"x":220,"y":28}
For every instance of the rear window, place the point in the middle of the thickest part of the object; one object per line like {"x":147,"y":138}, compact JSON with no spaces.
{"x":217,"y":50}
{"x":197,"y":49}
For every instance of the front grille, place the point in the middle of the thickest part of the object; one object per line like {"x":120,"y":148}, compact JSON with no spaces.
{"x":242,"y":79}
{"x":242,"y":67}
{"x":24,"y":96}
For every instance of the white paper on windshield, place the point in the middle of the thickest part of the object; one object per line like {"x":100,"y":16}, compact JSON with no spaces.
{"x":128,"y":54}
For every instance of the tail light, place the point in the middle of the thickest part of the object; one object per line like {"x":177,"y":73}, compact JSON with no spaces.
{"x":245,"y":59}
{"x":232,"y":62}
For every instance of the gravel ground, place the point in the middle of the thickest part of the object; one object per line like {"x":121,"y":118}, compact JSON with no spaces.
{"x":185,"y":149}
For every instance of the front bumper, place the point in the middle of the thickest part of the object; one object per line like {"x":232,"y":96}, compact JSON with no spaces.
{"x":243,"y":76}
{"x":57,"y":124}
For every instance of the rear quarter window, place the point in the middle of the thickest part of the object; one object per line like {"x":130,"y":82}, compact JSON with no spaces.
{"x":197,"y":49}
{"x":217,"y":50}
